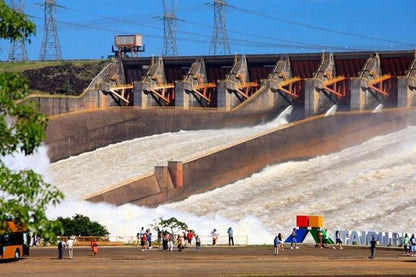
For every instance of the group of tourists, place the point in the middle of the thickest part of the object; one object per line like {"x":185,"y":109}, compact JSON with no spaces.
{"x":186,"y":239}
{"x":144,"y":237}
{"x":167,"y":240}
{"x":323,"y":240}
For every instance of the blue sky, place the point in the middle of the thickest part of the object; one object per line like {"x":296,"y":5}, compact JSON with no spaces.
{"x":86,"y":29}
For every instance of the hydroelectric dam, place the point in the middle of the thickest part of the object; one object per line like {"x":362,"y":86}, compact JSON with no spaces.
{"x":337,"y":100}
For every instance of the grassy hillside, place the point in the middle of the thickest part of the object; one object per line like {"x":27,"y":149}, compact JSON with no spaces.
{"x":57,"y":77}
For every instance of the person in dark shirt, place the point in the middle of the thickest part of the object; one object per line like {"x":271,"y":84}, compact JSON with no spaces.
{"x":373,"y":244}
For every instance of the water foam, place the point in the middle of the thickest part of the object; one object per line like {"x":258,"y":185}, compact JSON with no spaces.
{"x":370,"y":186}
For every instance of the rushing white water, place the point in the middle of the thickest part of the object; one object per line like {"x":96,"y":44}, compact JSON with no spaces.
{"x":93,"y":171}
{"x":367,"y":187}
{"x":371,"y":186}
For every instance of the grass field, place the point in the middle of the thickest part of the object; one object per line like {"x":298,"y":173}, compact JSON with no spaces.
{"x":31,"y":65}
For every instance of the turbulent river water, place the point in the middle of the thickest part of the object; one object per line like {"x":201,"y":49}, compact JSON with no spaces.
{"x":371,"y":186}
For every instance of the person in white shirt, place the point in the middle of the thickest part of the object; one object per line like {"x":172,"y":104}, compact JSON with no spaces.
{"x":214,"y":235}
{"x":70,"y":244}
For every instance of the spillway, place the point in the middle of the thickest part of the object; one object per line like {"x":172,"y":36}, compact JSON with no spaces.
{"x":94,"y":171}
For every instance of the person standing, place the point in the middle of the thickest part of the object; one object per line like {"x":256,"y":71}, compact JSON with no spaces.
{"x":189,"y":236}
{"x":406,"y":244}
{"x":165,"y":241}
{"x":141,"y":233}
{"x":412,"y":245}
{"x":294,"y":240}
{"x":61,"y":249}
{"x":319,"y":238}
{"x":170,"y":243}
{"x":197,"y":243}
{"x":276,"y":245}
{"x":326,"y":239}
{"x":143,"y":242}
{"x":149,"y":239}
{"x":280,"y":238}
{"x":180,"y":243}
{"x":94,"y":247}
{"x":338,"y":240}
{"x":214,"y":235}
{"x":159,"y":237}
{"x":70,"y":244}
{"x":373,"y":244}
{"x":230,"y":236}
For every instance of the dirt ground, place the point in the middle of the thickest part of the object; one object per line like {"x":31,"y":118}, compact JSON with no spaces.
{"x":213,"y":261}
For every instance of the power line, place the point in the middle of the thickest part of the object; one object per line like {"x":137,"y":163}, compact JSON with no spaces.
{"x":310,"y":26}
{"x":277,"y":42}
{"x":255,"y":40}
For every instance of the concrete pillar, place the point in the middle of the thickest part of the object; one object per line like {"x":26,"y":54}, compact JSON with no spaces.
{"x":312,"y":98}
{"x":181,"y":96}
{"x":184,"y":97}
{"x":223,"y":96}
{"x":142,"y":98}
{"x":406,"y":92}
{"x":176,"y":172}
{"x":358,"y":94}
{"x":163,"y":178}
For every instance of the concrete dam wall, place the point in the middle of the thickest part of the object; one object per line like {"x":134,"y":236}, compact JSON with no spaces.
{"x":300,"y":140}
{"x":74,"y":133}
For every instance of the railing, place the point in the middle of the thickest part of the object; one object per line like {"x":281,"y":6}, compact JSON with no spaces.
{"x":132,"y":240}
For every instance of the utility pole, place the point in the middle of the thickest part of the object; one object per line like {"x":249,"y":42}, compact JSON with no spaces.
{"x":50,"y":48}
{"x":169,"y":27}
{"x":219,"y":42}
{"x":17,"y":50}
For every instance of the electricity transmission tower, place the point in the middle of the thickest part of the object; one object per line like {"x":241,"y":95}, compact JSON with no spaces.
{"x":17,"y":50}
{"x":169,"y":27}
{"x":50,"y":48}
{"x":219,"y":41}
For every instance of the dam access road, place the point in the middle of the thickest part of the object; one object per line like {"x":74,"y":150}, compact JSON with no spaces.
{"x":214,"y":261}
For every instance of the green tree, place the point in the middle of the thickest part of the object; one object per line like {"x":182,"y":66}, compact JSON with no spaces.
{"x":14,"y":25}
{"x":24,"y":196}
{"x":172,"y":223}
{"x":82,"y":225}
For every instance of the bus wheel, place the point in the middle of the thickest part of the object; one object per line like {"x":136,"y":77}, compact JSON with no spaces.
{"x":17,"y":255}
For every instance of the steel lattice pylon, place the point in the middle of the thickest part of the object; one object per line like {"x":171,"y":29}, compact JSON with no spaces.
{"x":17,"y":50}
{"x":169,"y":26}
{"x":219,"y":41}
{"x":50,"y":49}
